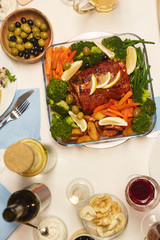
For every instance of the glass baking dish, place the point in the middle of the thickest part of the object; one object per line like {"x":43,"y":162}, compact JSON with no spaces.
{"x":99,"y":36}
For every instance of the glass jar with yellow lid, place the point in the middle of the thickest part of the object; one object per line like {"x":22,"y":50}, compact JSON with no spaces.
{"x":30,"y":157}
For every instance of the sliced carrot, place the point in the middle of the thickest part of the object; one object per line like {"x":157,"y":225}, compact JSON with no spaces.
{"x":107,"y":113}
{"x":128,"y":105}
{"x":48,"y":61}
{"x":115,"y":112}
{"x":125,"y":97}
{"x":70,"y":58}
{"x":101,"y":107}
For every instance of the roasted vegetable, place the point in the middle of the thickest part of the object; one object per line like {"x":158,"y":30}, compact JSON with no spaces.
{"x":142,"y":123}
{"x":56,"y":89}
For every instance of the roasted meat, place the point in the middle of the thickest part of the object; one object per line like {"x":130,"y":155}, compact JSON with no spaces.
{"x":81,"y":83}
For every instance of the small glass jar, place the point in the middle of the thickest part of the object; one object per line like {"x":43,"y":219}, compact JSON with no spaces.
{"x":29,"y":157}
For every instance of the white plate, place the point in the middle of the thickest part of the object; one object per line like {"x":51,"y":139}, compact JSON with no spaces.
{"x":154,"y":160}
{"x":7,"y":94}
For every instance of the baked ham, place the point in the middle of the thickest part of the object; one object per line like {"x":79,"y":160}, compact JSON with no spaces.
{"x":81,"y":84}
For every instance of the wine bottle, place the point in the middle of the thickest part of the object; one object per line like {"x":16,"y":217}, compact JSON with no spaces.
{"x":25,"y":204}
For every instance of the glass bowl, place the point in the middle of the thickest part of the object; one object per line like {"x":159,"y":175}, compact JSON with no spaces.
{"x":111,"y":217}
{"x":98,"y":36}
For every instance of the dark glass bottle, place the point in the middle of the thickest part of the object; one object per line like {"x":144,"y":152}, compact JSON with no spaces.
{"x":24,"y":205}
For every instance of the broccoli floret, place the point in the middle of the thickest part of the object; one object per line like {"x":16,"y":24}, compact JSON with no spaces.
{"x":95,"y":53}
{"x":115,"y":44}
{"x":60,"y":129}
{"x":61,"y":107}
{"x":142,"y":123}
{"x":149,"y":107}
{"x":56,"y":89}
{"x":50,"y":101}
{"x":141,"y":95}
{"x":70,"y":121}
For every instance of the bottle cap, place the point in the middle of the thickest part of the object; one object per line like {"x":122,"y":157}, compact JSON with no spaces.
{"x":19,"y":157}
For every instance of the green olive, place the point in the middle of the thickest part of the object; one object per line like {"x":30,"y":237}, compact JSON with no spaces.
{"x":28,"y":45}
{"x":38,"y":23}
{"x":86,"y":51}
{"x":36,"y":35}
{"x":41,"y":42}
{"x":35,"y":29}
{"x":14,"y":51}
{"x":19,"y":39}
{"x":69,"y":98}
{"x":66,"y":65}
{"x":12,"y":44}
{"x":23,"y":35}
{"x":11,"y":27}
{"x":20,"y":47}
{"x":30,"y":36}
{"x":27,"y":28}
{"x":44,"y":35}
{"x":80,"y":115}
{"x":9,"y":34}
{"x":43,"y":27}
{"x":136,"y":112}
{"x":75,"y":109}
{"x":17,"y":31}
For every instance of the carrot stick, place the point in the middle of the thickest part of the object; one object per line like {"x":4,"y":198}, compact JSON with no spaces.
{"x":115,"y":112}
{"x":128,"y":105}
{"x":48,"y":61}
{"x":125,"y":97}
{"x":70,"y":58}
{"x":101,"y":107}
{"x":107,"y":113}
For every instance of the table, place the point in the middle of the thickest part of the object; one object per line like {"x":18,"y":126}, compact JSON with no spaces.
{"x":107,"y":169}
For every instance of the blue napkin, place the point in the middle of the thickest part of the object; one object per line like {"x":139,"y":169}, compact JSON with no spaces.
{"x":27,"y":125}
{"x":6,"y":228}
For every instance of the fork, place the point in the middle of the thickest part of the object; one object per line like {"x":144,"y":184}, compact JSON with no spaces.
{"x":16,"y":113}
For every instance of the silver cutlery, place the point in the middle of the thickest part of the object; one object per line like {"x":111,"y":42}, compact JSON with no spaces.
{"x":44,"y":230}
{"x":16,"y":112}
{"x":18,"y":102}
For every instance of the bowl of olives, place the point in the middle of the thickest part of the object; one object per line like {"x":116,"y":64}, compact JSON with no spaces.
{"x":25,"y":34}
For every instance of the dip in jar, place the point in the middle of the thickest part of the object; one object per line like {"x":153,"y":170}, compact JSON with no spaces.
{"x":57,"y":229}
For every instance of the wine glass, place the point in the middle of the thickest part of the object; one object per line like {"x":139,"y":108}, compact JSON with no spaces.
{"x":79,"y":191}
{"x":142,"y":193}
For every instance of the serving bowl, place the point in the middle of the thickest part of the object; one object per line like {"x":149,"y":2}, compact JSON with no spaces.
{"x":28,"y":13}
{"x":108,"y":141}
{"x":111,"y":217}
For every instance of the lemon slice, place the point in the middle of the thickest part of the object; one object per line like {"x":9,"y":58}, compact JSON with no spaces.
{"x":131,"y":59}
{"x":82,"y":124}
{"x":66,"y":76}
{"x":103,"y":80}
{"x":114,"y":81}
{"x":94,"y":84}
{"x":113,"y":121}
{"x":108,"y":52}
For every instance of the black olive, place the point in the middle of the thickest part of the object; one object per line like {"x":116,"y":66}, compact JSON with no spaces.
{"x":36,"y":48}
{"x":20,"y":54}
{"x":13,"y":38}
{"x":30,"y":22}
{"x":26,"y":51}
{"x":105,"y":58}
{"x":17,"y":24}
{"x":84,"y":238}
{"x":41,"y":49}
{"x":86,"y":65}
{"x":25,"y":40}
{"x":36,"y":53}
{"x":32,"y":51}
{"x":27,"y":56}
{"x":23,"y":20}
{"x":34,"y":41}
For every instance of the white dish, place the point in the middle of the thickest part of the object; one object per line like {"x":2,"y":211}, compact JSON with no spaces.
{"x":7,"y":94}
{"x":154,"y":163}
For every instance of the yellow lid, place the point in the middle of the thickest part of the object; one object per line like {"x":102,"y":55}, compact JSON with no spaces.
{"x":19,"y":157}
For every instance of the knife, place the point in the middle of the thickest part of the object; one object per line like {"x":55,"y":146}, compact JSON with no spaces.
{"x":18,"y":102}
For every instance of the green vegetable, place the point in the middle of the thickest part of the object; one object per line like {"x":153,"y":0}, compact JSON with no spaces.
{"x":149,"y":107}
{"x":12,"y":78}
{"x":56,"y":89}
{"x":115,"y":44}
{"x":129,"y":42}
{"x":95,"y":53}
{"x":60,"y":128}
{"x":142,"y":123}
{"x":61,"y":108}
{"x":70,"y":121}
{"x":50,"y":101}
{"x":140,"y":95}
